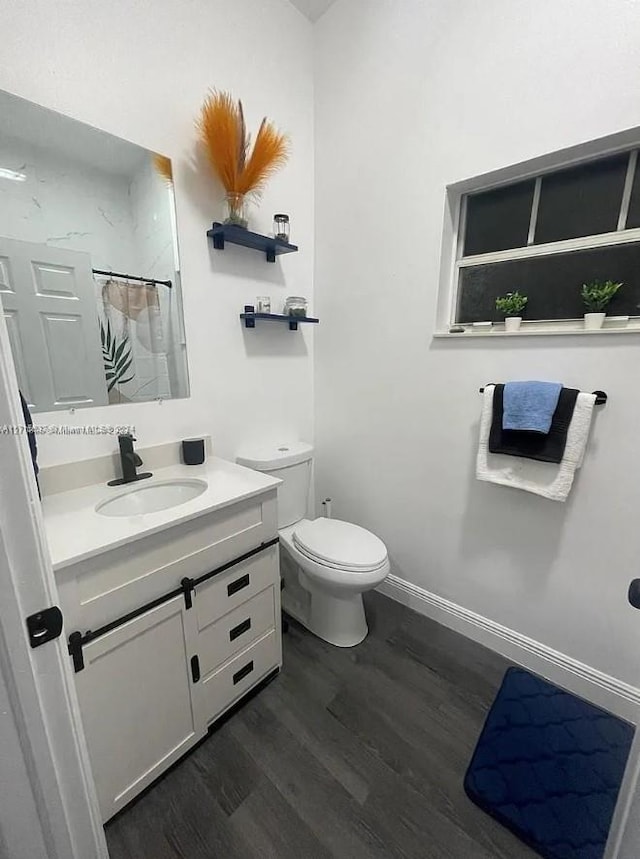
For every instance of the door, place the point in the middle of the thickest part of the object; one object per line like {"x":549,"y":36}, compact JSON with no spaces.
{"x":48,"y":298}
{"x":138,"y":712}
{"x":48,"y":806}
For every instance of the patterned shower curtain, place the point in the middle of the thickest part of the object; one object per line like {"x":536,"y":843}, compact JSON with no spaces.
{"x":134,"y":343}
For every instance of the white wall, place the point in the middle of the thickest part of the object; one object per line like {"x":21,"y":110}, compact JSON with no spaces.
{"x":412,"y":96}
{"x":141,"y":71}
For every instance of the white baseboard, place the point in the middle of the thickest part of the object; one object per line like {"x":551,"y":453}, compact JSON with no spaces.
{"x":580,"y":679}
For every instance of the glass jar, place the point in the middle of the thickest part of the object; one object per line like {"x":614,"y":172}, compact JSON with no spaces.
{"x":295,"y":305}
{"x":281,"y":227}
{"x":236,"y":210}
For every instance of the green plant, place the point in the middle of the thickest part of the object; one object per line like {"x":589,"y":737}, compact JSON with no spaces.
{"x":511,"y":304}
{"x":596,"y":295}
{"x":116,"y":356}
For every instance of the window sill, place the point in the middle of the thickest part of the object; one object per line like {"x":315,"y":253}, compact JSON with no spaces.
{"x":545,"y":329}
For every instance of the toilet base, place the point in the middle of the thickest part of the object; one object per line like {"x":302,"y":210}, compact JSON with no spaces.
{"x":338,"y":620}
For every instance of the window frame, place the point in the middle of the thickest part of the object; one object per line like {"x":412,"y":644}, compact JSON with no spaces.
{"x":453,"y":261}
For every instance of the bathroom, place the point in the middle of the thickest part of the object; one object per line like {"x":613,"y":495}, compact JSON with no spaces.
{"x":405,"y":104}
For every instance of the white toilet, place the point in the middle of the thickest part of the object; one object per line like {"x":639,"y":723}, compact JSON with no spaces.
{"x":326,"y":564}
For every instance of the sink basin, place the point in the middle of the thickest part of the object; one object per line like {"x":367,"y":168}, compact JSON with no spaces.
{"x":152,"y":497}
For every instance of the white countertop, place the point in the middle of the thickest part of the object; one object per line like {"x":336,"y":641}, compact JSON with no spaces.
{"x":76,"y":532}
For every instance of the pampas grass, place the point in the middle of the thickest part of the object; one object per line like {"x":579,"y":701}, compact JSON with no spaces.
{"x":163,"y":166}
{"x":222,"y":131}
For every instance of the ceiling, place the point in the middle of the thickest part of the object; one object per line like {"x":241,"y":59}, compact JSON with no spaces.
{"x":313,"y":9}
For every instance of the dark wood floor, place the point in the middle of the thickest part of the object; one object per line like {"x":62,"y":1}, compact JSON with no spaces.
{"x":348,"y":753}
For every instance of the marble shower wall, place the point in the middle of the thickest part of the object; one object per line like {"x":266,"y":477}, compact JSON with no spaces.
{"x":153,"y":213}
{"x":65,"y":204}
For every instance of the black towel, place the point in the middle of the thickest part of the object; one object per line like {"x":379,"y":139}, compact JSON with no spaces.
{"x":533,"y":445}
{"x":33,"y":446}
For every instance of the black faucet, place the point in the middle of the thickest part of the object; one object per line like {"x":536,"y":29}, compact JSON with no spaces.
{"x":130,"y":462}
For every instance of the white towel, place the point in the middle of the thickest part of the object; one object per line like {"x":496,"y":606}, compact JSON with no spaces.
{"x":548,"y":479}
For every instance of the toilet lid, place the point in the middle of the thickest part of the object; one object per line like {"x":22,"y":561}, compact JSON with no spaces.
{"x":340,"y":544}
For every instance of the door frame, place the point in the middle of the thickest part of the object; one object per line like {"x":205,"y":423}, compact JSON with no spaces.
{"x":49,"y":809}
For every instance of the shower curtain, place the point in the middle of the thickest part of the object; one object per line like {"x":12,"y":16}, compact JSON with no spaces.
{"x":134,"y":342}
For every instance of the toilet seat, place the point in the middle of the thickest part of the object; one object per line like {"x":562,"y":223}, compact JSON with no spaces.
{"x":340,"y":545}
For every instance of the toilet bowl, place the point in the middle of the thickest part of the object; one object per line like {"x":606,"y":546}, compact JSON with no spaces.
{"x":326,"y":564}
{"x":337,"y":562}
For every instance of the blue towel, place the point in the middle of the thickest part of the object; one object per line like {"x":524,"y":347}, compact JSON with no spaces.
{"x":530,"y":405}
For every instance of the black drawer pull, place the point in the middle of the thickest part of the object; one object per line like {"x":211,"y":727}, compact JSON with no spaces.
{"x":236,"y":586}
{"x":240,"y":675}
{"x":195,"y":669}
{"x":245,"y":626}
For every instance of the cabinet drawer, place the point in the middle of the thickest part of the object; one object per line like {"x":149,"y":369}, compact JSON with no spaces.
{"x":230,"y":634}
{"x":237,"y":676}
{"x":226,"y":591}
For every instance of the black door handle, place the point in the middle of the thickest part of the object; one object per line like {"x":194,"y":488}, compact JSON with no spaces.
{"x":44,"y":626}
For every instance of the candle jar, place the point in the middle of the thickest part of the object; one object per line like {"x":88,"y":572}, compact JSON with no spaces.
{"x":281,"y":227}
{"x":295,"y":305}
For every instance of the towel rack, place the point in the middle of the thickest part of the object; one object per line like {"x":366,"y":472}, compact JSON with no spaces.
{"x":601,"y":397}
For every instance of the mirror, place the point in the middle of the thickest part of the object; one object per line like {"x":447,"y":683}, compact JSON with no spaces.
{"x":89,"y":269}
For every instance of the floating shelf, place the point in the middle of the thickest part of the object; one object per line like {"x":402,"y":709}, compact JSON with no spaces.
{"x":249,"y":318}
{"x":221,"y":233}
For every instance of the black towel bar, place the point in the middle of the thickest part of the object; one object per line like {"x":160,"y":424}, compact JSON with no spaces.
{"x":601,"y":397}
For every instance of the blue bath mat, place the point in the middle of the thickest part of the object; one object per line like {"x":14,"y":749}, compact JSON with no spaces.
{"x":548,"y":766}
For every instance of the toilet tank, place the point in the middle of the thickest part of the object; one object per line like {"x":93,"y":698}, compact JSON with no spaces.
{"x":291,"y":462}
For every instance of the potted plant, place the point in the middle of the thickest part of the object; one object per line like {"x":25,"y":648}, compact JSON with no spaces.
{"x":511,"y":305}
{"x":596,"y":296}
{"x":242,"y":170}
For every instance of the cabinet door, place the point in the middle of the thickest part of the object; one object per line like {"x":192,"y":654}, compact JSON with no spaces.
{"x":138,"y":710}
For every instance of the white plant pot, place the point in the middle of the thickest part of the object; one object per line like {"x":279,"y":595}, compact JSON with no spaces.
{"x":512,"y":323}
{"x":593,"y":321}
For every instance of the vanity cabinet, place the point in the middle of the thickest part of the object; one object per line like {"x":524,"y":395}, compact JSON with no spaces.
{"x":185,"y":622}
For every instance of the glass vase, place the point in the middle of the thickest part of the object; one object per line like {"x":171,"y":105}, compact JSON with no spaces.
{"x":236,"y":210}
